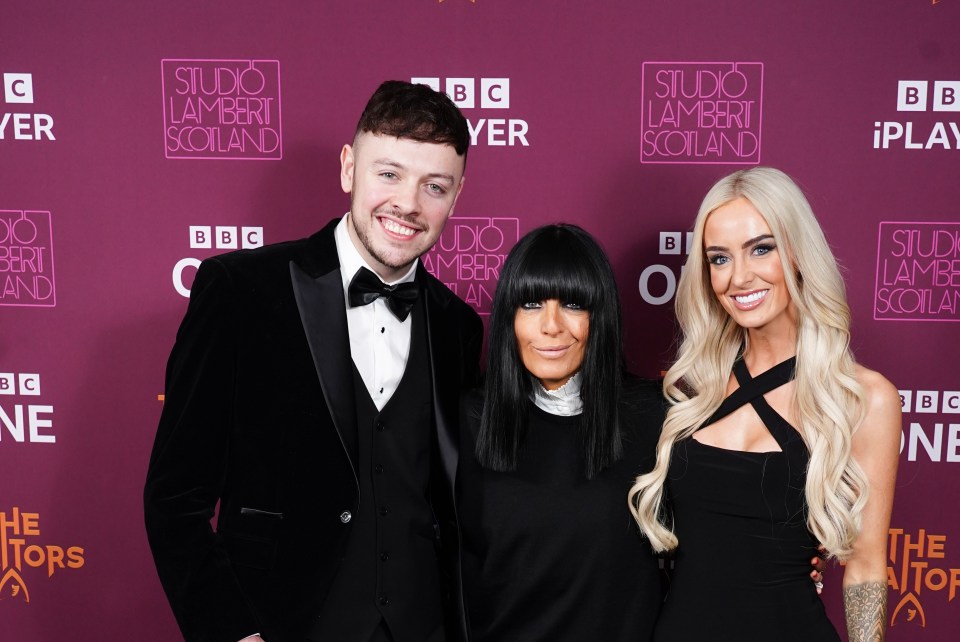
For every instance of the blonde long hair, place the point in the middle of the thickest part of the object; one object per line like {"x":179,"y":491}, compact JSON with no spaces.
{"x":828,"y":401}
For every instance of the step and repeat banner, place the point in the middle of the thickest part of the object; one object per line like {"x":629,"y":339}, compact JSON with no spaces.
{"x":137,"y":139}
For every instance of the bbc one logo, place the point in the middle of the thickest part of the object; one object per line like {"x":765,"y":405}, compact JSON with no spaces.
{"x":485,"y":94}
{"x":26,"y":259}
{"x":469,"y":254}
{"x":918,"y":272}
{"x":228,"y":109}
{"x":23,"y":550}
{"x":23,"y":125}
{"x":206,"y":237}
{"x":21,"y":418}
{"x":658,"y":282}
{"x":701,"y":112}
{"x":930,"y":433}
{"x":928,"y":104}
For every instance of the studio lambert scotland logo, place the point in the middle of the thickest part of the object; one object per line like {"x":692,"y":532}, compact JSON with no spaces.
{"x":26,"y":259}
{"x":227,"y":109}
{"x":918,"y":272}
{"x":701,"y":112}
{"x":469,"y":255}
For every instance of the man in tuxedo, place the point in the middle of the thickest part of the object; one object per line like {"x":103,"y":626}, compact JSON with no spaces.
{"x":311,"y":392}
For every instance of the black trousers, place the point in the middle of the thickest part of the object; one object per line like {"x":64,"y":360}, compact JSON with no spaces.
{"x":382,"y":634}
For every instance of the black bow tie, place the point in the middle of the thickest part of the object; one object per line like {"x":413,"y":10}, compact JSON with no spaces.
{"x":366,"y":287}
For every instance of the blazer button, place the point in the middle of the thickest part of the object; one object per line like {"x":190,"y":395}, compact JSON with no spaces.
{"x":380,"y":426}
{"x":345,"y":516}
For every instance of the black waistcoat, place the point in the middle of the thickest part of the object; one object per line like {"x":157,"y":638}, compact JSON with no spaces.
{"x":390,"y":570}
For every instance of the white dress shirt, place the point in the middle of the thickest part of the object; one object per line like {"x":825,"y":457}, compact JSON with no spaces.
{"x":379,"y":342}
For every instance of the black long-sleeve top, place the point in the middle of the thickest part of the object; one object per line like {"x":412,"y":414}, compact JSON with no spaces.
{"x":549,"y":555}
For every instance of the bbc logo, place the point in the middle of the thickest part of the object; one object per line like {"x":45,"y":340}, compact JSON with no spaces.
{"x":18,"y":88}
{"x":912,"y":95}
{"x":494,"y":92}
{"x":24,"y":384}
{"x":930,"y":401}
{"x":670,"y":242}
{"x":225,"y":237}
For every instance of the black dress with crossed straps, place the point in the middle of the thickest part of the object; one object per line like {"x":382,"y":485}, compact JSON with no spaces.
{"x":743,"y":563}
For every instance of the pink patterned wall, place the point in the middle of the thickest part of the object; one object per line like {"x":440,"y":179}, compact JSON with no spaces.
{"x":121,"y":122}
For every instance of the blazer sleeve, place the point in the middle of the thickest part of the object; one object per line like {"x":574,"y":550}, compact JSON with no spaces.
{"x":188,"y":466}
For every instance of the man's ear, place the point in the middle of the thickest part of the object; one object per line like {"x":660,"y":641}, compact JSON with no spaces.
{"x":347,"y":166}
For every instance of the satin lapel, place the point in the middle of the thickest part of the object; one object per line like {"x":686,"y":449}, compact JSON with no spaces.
{"x":324,"y":317}
{"x":445,"y":380}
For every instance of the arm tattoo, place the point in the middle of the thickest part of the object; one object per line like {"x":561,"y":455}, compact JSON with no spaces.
{"x":866,"y":608}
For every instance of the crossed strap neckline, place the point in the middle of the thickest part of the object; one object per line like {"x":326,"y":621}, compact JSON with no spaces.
{"x":751,"y":391}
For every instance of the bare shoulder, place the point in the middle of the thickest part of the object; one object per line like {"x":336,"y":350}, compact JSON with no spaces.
{"x":882,"y":403}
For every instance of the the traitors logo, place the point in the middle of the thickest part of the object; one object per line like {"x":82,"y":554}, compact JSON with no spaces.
{"x":22,"y":552}
{"x":917,"y":573}
{"x":469,"y":255}
{"x":26,"y":259}
{"x":222,"y":109}
{"x":701,"y":112}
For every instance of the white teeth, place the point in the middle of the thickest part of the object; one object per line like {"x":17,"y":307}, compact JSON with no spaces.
{"x":751,"y":298}
{"x":396,"y":228}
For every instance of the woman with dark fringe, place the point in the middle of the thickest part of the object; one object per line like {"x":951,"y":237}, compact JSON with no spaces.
{"x":549,"y":448}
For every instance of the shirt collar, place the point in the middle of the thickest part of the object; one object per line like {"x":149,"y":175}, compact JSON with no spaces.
{"x":351,"y":261}
{"x":564,"y":401}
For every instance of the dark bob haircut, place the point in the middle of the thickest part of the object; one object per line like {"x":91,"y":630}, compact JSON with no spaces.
{"x":417,"y":112}
{"x":554,"y":262}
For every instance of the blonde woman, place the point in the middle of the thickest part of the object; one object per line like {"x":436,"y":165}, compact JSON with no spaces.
{"x":776,"y":438}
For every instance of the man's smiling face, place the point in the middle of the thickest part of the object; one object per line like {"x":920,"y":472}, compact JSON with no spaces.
{"x":401,"y":194}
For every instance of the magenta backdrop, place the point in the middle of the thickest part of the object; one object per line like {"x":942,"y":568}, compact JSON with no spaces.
{"x":123,"y":125}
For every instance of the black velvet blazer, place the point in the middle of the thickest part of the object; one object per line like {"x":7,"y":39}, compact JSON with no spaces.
{"x":259,"y":416}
